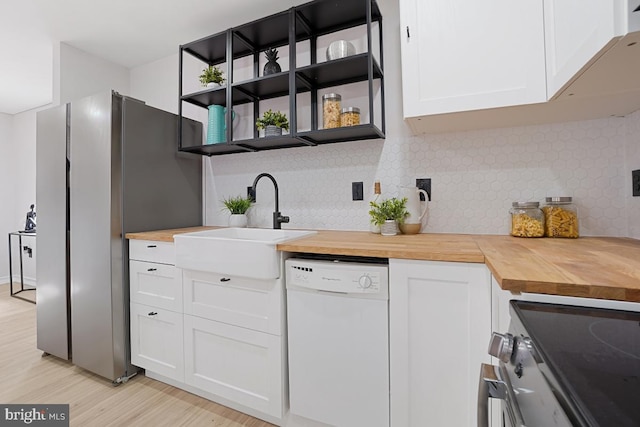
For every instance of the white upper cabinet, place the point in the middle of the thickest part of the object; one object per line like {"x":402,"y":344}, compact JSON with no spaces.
{"x":576,"y":33}
{"x":546,"y":60}
{"x":469,"y":55}
{"x":591,"y":47}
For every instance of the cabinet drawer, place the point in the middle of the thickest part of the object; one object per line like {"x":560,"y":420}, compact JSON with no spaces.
{"x":238,"y":364}
{"x":250,"y":303}
{"x":147,"y":250}
{"x":158,"y":285}
{"x":157,"y":340}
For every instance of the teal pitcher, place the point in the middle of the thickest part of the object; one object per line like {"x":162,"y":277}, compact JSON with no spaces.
{"x":217,"y":127}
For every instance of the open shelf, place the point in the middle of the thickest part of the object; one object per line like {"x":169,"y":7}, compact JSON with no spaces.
{"x":338,"y":72}
{"x":286,"y":29}
{"x":206,"y":97}
{"x":342,"y":134}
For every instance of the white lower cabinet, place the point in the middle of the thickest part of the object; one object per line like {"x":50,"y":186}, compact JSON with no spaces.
{"x":439,"y":331}
{"x":156,"y":340}
{"x":216,"y":336}
{"x":238,"y":364}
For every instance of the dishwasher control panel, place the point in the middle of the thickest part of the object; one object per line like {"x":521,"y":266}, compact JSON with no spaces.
{"x":338,"y":277}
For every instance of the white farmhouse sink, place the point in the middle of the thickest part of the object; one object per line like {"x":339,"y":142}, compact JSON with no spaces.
{"x":245,"y":252}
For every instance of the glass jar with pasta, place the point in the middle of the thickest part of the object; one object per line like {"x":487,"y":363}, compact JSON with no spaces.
{"x":561,"y":217}
{"x":527,"y":220}
{"x":331,"y":110}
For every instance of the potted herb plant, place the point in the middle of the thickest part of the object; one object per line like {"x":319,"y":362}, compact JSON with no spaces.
{"x":238,"y":207}
{"x":388,"y":214}
{"x":211,"y":76}
{"x":273,"y":123}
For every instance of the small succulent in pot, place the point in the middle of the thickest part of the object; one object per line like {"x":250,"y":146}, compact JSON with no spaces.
{"x":211,"y":74}
{"x":273,"y":123}
{"x":237,"y":205}
{"x":388,"y":214}
{"x":389,"y":209}
{"x":271,"y":67}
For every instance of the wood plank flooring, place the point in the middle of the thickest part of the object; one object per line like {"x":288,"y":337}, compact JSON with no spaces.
{"x":28,"y":377}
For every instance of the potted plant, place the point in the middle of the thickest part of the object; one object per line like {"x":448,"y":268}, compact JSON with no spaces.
{"x":273,"y":123}
{"x":388,"y":214}
{"x":211,"y":76}
{"x":238,"y":207}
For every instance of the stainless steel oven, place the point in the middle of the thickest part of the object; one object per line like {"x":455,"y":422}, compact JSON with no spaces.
{"x":563,"y":365}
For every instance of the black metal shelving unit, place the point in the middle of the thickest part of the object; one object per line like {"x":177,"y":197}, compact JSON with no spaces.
{"x":298,"y":24}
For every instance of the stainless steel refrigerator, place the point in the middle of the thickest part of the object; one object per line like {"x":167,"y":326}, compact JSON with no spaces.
{"x":106,"y":165}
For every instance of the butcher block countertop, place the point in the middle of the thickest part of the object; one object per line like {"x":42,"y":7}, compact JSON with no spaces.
{"x":593,"y":267}
{"x":165,"y":235}
{"x":432,"y":247}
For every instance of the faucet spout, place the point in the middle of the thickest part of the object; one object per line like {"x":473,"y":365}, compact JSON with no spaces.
{"x":278,"y":219}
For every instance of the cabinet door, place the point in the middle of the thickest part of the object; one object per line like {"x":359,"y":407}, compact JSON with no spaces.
{"x":470,"y":55}
{"x":576,"y":32}
{"x":237,"y":364}
{"x":158,"y":285}
{"x":440,"y":326}
{"x":156,"y":340}
{"x":250,"y":303}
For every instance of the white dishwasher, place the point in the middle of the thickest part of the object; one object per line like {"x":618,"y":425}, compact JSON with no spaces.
{"x":338,"y":333}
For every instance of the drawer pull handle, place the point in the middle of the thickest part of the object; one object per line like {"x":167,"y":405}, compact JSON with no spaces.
{"x":151,"y":269}
{"x":225,"y":279}
{"x":152,"y":246}
{"x":153,"y":313}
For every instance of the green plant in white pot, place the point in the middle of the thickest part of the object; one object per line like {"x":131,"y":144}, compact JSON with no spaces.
{"x":238,"y":207}
{"x":212,"y":76}
{"x":273,"y":123}
{"x":388,"y":214}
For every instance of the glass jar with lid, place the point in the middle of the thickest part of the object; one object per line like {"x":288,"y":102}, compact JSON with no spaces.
{"x":350,"y":116}
{"x":331,"y":110}
{"x":527,"y":220}
{"x":561,"y":217}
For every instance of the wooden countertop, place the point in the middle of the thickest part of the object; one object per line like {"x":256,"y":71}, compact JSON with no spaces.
{"x":432,"y":247}
{"x":165,"y":235}
{"x":594,"y":267}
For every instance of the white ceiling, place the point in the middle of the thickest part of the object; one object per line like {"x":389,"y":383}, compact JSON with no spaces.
{"x":126,"y":32}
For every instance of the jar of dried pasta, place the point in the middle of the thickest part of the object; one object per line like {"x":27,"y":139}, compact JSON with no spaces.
{"x":561,"y":217}
{"x":331,"y":110}
{"x":350,"y":116}
{"x":527,"y":220}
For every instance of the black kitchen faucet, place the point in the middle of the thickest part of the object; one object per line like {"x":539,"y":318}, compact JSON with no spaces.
{"x":278,"y":219}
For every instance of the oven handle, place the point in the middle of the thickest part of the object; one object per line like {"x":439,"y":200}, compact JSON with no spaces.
{"x":491,"y":385}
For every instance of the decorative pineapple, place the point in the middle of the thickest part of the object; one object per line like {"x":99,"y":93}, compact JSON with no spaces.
{"x":272,"y":66}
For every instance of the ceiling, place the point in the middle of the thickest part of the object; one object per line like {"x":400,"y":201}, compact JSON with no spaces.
{"x":125,"y":32}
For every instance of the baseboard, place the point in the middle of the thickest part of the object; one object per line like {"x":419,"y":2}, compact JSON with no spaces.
{"x":4,"y":280}
{"x":28,"y":281}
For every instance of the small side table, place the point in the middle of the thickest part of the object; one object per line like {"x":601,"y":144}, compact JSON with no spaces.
{"x":22,"y":288}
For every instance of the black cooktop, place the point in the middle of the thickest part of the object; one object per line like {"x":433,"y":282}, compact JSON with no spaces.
{"x":594,"y":355}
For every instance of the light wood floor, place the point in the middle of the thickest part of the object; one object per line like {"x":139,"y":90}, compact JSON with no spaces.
{"x":28,"y":377}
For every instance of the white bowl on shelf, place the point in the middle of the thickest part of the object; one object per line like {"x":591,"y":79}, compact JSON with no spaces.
{"x":340,"y":49}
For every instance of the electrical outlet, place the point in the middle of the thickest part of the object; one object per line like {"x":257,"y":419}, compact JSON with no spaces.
{"x":357,"y":191}
{"x":424,"y":184}
{"x":635,"y":180}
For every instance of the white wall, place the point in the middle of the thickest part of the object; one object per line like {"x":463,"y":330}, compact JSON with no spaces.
{"x":475,"y":175}
{"x":7,"y":191}
{"x":82,"y":74}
